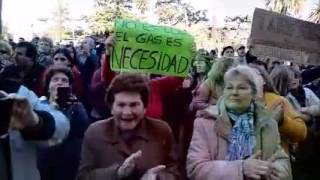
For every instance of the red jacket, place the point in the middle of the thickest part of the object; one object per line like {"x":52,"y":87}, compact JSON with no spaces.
{"x":160,"y":88}
{"x":78,"y":86}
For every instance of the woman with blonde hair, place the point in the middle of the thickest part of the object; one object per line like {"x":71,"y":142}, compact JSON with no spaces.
{"x":243,"y":142}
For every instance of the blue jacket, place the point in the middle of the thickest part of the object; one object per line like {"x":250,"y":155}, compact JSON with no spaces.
{"x":22,"y":151}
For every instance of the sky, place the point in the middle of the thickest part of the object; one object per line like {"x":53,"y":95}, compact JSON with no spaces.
{"x":218,"y":9}
{"x":21,"y":16}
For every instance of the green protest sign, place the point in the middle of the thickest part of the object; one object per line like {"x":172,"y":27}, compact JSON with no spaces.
{"x":147,"y":48}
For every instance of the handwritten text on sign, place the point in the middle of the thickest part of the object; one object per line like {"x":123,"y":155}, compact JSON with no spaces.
{"x":143,"y":47}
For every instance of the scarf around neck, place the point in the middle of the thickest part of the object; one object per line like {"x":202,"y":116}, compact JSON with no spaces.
{"x":242,"y":137}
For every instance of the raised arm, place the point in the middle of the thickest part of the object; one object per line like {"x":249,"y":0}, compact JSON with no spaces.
{"x":53,"y":126}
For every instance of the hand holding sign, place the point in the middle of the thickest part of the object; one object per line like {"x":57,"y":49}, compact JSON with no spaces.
{"x":147,"y":48}
{"x":110,"y":43}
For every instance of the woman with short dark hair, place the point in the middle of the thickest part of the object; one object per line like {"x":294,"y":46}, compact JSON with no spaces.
{"x":129,"y":83}
{"x":128,"y":145}
{"x":61,"y":162}
{"x":62,"y":57}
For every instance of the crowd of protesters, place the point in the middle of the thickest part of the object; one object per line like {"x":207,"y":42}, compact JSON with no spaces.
{"x":69,"y":116}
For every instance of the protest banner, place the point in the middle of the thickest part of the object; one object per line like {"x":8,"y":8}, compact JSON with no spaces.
{"x":284,"y":38}
{"x":146,"y":48}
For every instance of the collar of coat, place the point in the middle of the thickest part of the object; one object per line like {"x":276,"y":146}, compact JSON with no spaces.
{"x":223,"y":124}
{"x":113,"y":132}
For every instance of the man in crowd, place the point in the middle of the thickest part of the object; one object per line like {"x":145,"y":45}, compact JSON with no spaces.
{"x":26,"y":66}
{"x":128,"y":145}
{"x":87,"y":63}
{"x":45,"y":48}
{"x":241,"y":51}
{"x":87,"y":60}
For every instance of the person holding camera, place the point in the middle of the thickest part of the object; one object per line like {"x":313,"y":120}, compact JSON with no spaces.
{"x":63,"y":57}
{"x":25,"y":125}
{"x":61,"y":162}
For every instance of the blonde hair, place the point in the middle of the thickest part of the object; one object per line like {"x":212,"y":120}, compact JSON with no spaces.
{"x":248,"y":73}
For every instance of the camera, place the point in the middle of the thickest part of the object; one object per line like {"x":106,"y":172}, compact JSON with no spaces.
{"x":65,"y":98}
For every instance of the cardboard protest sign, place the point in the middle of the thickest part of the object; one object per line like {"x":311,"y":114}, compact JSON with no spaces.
{"x":147,"y":48}
{"x":284,"y":38}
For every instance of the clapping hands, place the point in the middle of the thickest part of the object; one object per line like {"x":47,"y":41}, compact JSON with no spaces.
{"x":128,"y":166}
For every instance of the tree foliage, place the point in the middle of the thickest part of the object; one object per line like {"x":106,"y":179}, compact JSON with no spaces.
{"x":285,"y":7}
{"x":141,"y":5}
{"x":60,"y":18}
{"x":236,"y":22}
{"x":170,"y":12}
{"x":315,"y":14}
{"x":236,"y":30}
{"x":106,"y":12}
